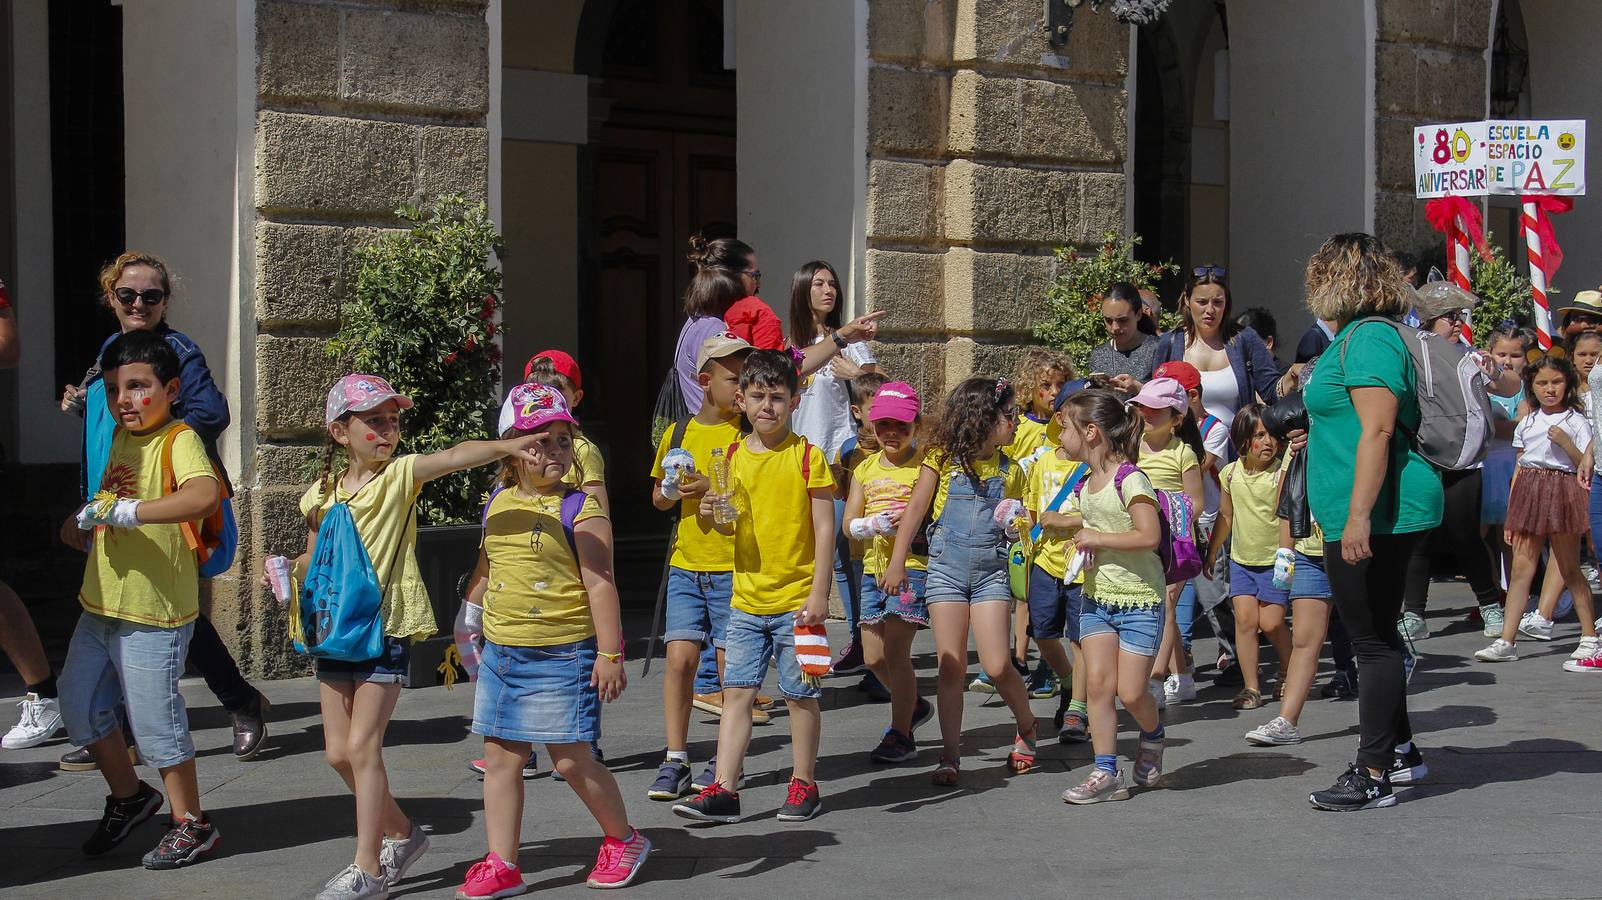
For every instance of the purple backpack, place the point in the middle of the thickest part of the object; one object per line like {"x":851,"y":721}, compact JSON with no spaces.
{"x":1176,"y":546}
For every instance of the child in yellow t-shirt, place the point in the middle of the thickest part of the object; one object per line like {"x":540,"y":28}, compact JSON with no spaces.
{"x":1247,"y":510}
{"x":554,"y":368}
{"x":140,"y":599}
{"x":700,"y":580}
{"x":553,"y":643}
{"x":782,"y":496}
{"x":1054,"y":605}
{"x":880,"y":489}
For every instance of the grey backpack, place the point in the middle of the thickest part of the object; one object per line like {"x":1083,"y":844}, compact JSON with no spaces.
{"x":1454,"y":427}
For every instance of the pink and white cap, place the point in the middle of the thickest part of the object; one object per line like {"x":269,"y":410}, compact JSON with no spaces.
{"x":360,"y":393}
{"x":530,"y":407}
{"x":1161,"y":393}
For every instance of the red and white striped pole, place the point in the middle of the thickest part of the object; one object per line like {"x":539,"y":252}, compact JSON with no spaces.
{"x":1457,"y":271}
{"x":1538,"y":273}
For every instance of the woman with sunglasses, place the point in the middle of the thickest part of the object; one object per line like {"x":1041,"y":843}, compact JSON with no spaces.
{"x":136,"y":287}
{"x":1235,"y":365}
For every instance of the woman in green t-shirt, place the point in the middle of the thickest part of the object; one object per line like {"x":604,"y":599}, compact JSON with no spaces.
{"x":1374,"y":496}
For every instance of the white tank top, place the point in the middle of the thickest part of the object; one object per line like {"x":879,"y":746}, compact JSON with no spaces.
{"x":1221,"y":394}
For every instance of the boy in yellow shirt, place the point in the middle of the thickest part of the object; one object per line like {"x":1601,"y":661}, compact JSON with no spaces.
{"x":782,"y":496}
{"x":701,"y":572}
{"x":140,"y":599}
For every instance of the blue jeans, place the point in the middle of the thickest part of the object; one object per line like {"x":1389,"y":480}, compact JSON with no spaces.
{"x":847,"y":573}
{"x":876,"y":605}
{"x":1185,"y":613}
{"x":968,"y":555}
{"x":110,"y":661}
{"x":1595,"y":509}
{"x":751,"y":640}
{"x":706,"y":674}
{"x":698,"y":606}
{"x":541,"y":695}
{"x":1139,"y":628}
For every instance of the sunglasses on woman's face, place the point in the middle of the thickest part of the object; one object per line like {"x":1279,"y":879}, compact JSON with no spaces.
{"x":1204,"y":271}
{"x":151,"y":297}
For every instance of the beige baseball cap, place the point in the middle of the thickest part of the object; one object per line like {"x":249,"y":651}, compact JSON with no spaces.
{"x":719,"y":345}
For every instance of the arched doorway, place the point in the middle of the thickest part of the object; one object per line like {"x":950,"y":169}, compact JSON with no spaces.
{"x":659,"y":165}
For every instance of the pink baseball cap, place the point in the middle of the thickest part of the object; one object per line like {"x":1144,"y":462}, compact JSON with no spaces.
{"x":360,"y":393}
{"x":1161,"y":393}
{"x":530,"y":407}
{"x":895,"y":400}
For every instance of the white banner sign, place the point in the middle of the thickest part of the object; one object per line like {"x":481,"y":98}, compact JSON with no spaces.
{"x":1471,"y":159}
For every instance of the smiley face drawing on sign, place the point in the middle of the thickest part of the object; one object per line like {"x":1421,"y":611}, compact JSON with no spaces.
{"x":1566,"y":141}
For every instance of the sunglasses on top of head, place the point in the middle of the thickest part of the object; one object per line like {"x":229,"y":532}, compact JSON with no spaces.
{"x":1204,"y":271}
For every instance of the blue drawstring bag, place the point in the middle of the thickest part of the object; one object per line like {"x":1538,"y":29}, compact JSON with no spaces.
{"x":337,"y":610}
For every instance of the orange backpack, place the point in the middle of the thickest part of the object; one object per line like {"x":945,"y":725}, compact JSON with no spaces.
{"x":209,"y":535}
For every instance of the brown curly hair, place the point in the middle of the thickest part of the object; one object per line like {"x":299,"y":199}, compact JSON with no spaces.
{"x":970,"y":414}
{"x":1353,"y":275}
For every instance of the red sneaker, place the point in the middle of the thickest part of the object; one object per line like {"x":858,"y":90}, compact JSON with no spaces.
{"x":619,"y":861}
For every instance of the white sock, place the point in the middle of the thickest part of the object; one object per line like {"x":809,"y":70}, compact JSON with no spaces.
{"x":682,"y":756}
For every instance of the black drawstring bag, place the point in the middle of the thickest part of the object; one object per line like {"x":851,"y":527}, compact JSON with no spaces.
{"x":1289,"y":414}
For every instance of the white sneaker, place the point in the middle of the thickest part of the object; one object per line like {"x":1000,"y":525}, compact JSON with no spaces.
{"x":1592,"y":577}
{"x":1179,"y":688}
{"x":1588,"y":647}
{"x":1278,"y":732}
{"x":41,"y":719}
{"x":1535,"y":626}
{"x":1499,"y":651}
{"x":1155,"y":688}
{"x":1491,"y":615}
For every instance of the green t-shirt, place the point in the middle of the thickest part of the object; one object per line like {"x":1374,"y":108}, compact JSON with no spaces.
{"x":1410,"y":497}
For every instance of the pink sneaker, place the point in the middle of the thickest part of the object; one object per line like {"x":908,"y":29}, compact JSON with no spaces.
{"x":491,"y":878}
{"x":619,"y":861}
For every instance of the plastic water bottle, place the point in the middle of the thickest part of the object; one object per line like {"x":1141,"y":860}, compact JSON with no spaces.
{"x":723,"y":511}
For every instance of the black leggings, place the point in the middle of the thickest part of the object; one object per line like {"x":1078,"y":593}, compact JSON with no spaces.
{"x":1368,"y":595}
{"x":210,"y":655}
{"x":1459,"y":531}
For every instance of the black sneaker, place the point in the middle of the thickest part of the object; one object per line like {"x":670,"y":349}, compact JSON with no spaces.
{"x":714,"y":804}
{"x":850,"y":661}
{"x":894,"y":747}
{"x":802,"y":803}
{"x":874,"y":688}
{"x":186,"y":840}
{"x":1342,"y":685}
{"x":121,"y":817}
{"x":1355,"y":790}
{"x":1408,"y":768}
{"x":921,"y":714}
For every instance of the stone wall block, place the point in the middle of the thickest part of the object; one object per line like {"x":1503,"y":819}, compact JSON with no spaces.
{"x":1451,"y":86}
{"x":1013,"y":32}
{"x":999,"y":203}
{"x":284,"y":464}
{"x":909,"y":286}
{"x":1399,"y":221}
{"x":1396,"y":78}
{"x":989,"y":293}
{"x":904,"y":201}
{"x":298,"y":274}
{"x":1473,"y":24}
{"x":1033,"y":119}
{"x":1416,"y":21}
{"x":293,"y":375}
{"x":297,"y":50}
{"x":416,"y":61}
{"x":454,"y":161}
{"x":1102,"y":209}
{"x":919,"y":362}
{"x":907,"y":111}
{"x":332,"y":166}
{"x":1393,"y":140}
{"x":911,"y":30}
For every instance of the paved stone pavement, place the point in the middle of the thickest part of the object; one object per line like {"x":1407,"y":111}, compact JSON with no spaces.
{"x":1509,"y":810}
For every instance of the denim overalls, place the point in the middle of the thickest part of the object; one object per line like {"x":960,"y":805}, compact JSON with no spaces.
{"x":967,"y":549}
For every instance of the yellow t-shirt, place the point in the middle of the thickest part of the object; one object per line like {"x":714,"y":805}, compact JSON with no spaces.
{"x":1046,"y":478}
{"x":383,"y":512}
{"x":699,"y":547}
{"x":146,"y":574}
{"x":985,"y":469}
{"x":773,"y":540}
{"x":886,"y":485}
{"x":1254,"y":530}
{"x":1313,"y":544}
{"x":1120,"y":577}
{"x":586,"y":458}
{"x":536,"y":595}
{"x":1032,"y":434}
{"x":1167,"y":467}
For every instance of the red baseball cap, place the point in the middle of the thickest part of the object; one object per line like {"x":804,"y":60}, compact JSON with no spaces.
{"x":1182,"y":372}
{"x":565,"y":365}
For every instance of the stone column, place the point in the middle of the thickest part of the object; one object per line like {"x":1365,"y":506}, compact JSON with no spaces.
{"x":987,"y":148}
{"x":1429,"y":66}
{"x":360,"y":107}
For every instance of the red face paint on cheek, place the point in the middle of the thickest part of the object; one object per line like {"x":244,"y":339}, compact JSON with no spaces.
{"x":145,"y":402}
{"x":371,"y":436}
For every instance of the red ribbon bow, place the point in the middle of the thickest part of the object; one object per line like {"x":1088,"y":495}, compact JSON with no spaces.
{"x":1444,"y":213}
{"x":1547,"y":206}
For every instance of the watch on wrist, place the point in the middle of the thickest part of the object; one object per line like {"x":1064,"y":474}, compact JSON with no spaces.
{"x":838,"y":340}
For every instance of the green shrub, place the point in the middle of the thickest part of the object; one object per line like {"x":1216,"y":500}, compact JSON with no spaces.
{"x":423,"y":316}
{"x":1072,"y":318}
{"x":1503,"y":292}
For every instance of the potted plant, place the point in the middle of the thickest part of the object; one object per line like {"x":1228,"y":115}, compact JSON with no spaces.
{"x":423,"y":316}
{"x":1071,"y":321}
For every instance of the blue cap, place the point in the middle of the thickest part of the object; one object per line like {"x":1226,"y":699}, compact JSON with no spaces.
{"x":1069,"y":389}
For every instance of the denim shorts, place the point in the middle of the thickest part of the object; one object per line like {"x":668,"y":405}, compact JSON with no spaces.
{"x":751,"y":640}
{"x":1139,"y":628}
{"x":110,"y":661}
{"x":1054,"y":607}
{"x":698,"y":605}
{"x":960,"y":573}
{"x":876,"y":605}
{"x":538,"y":695}
{"x":393,"y":667}
{"x":1256,"y":581}
{"x":1309,"y":579}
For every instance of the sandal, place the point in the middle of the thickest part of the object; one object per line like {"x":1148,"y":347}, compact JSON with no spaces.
{"x":1020,"y":761}
{"x":946,"y":773}
{"x":1279,"y":689}
{"x":1247,"y":699}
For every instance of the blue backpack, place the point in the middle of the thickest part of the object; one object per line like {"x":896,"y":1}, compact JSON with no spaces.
{"x":338,"y":613}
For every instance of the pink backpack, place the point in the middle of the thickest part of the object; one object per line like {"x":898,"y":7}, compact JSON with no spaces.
{"x":1177,"y":545}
